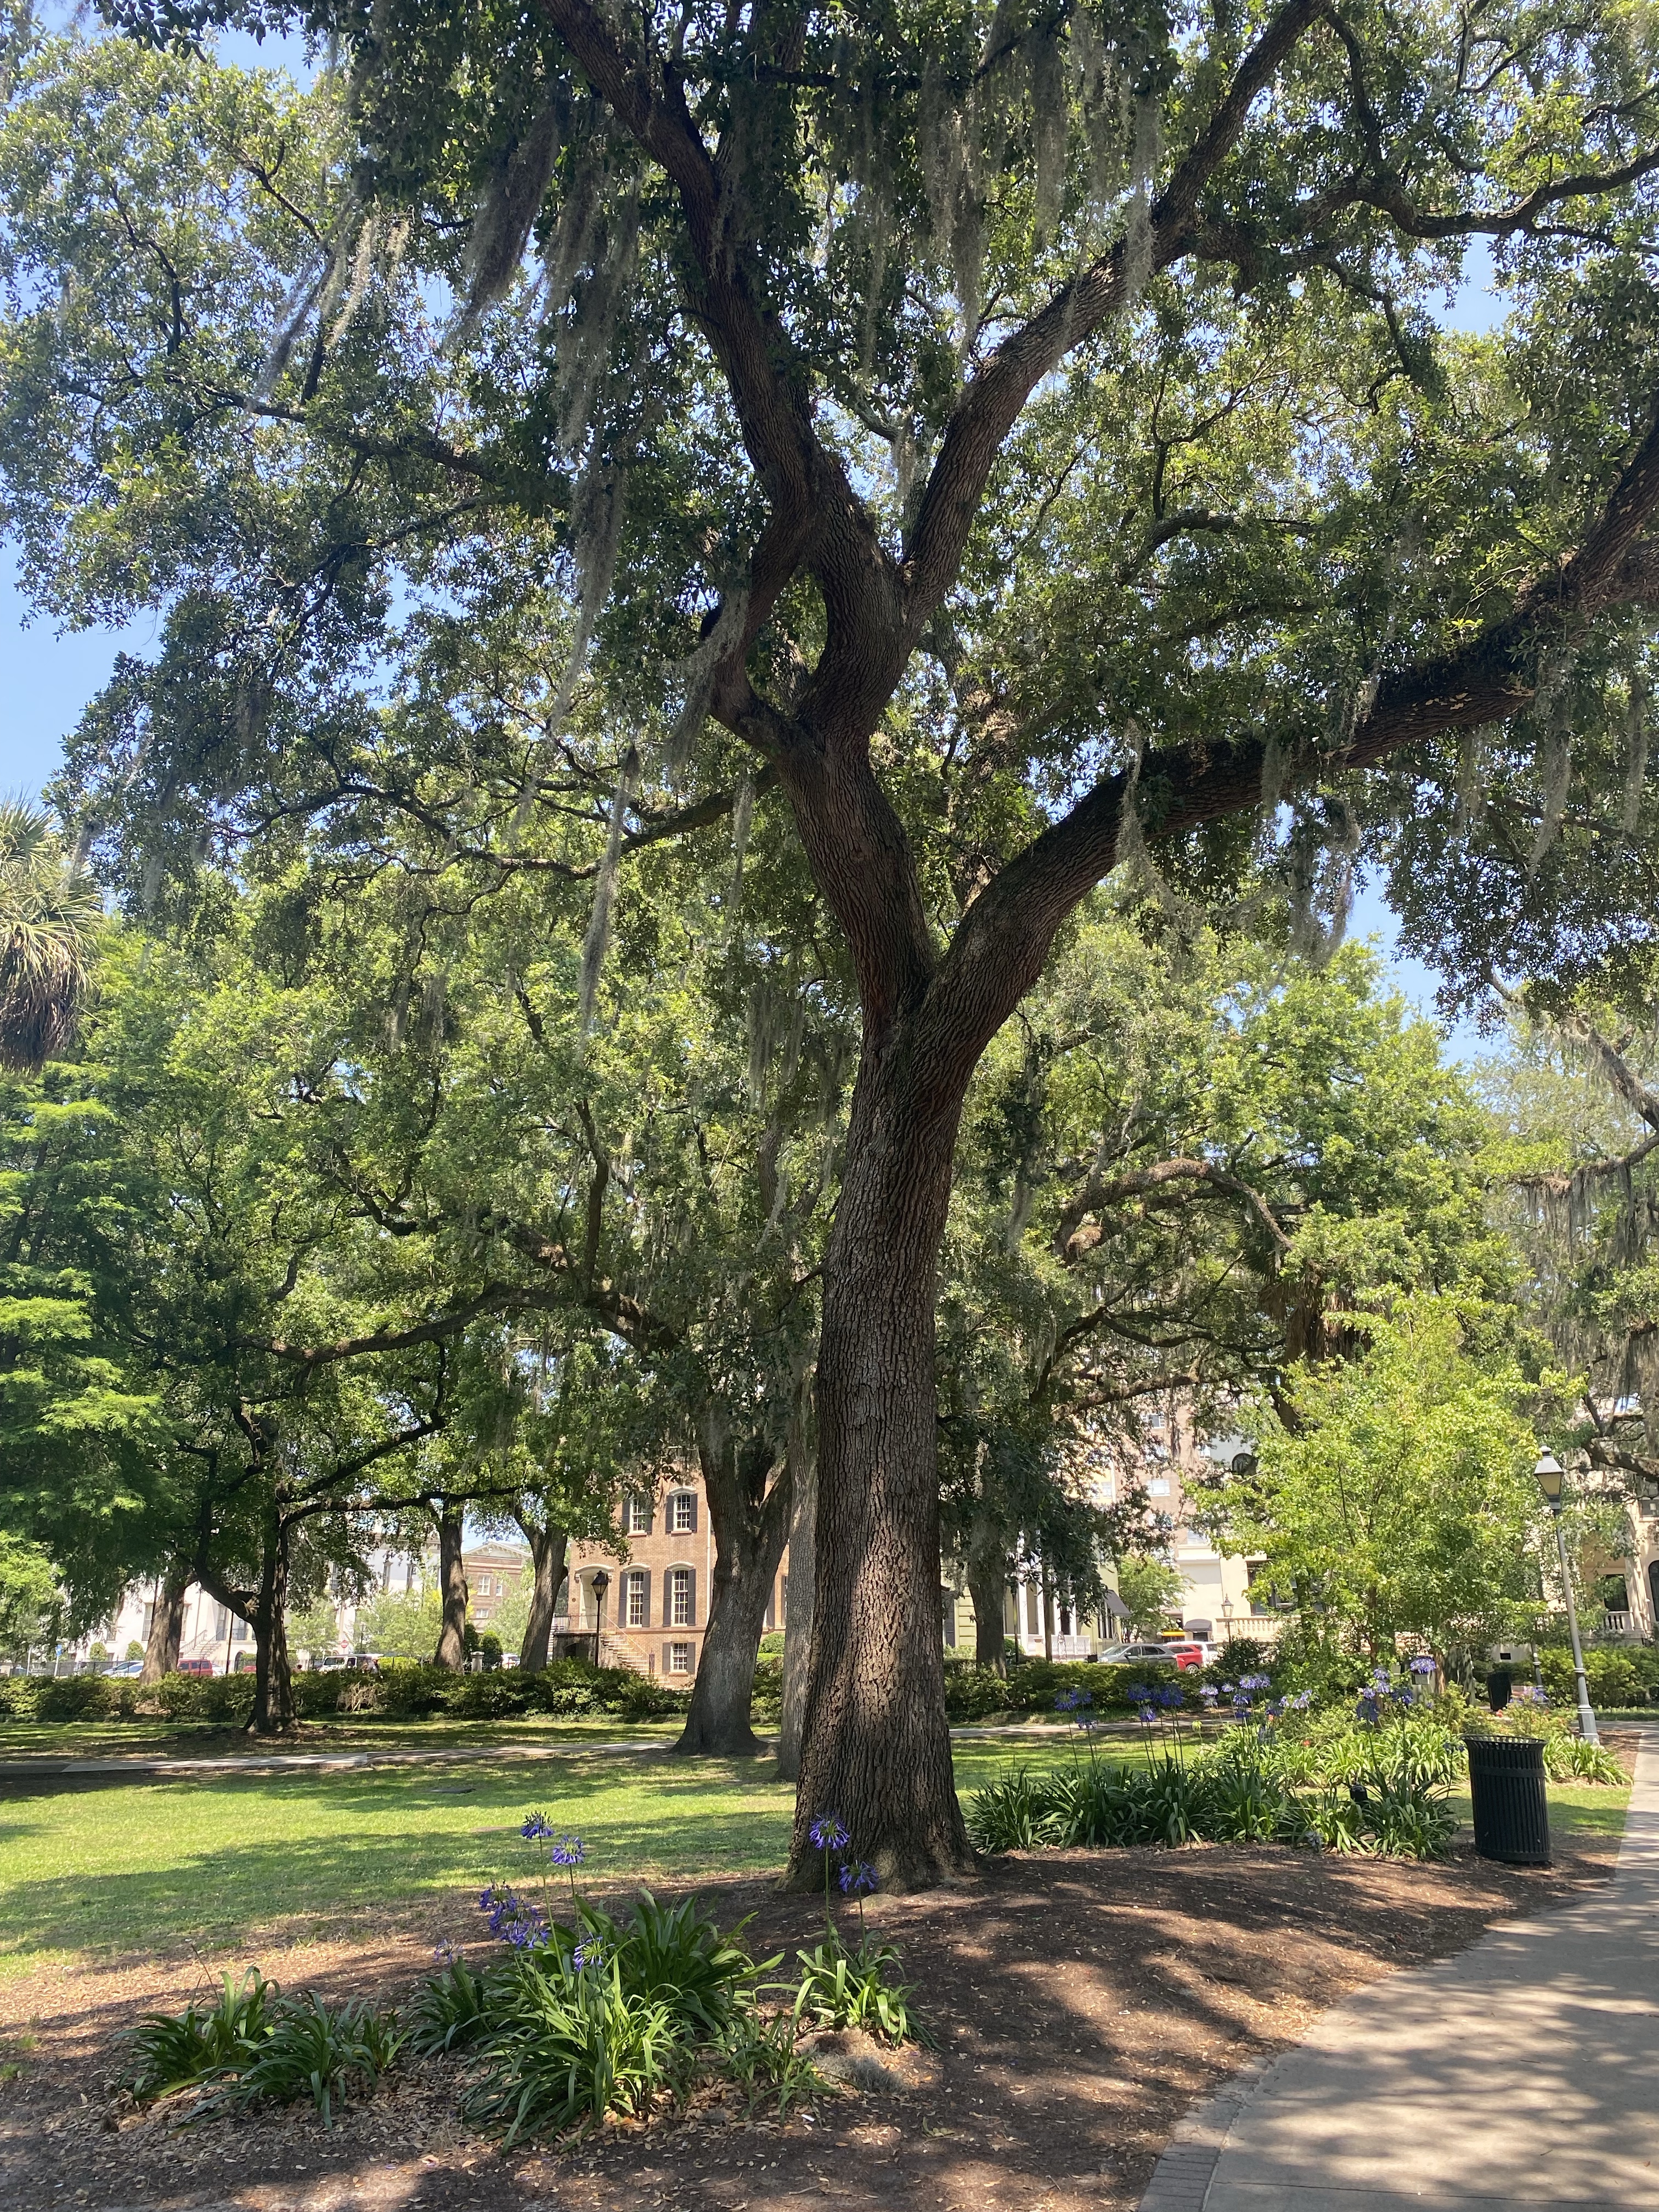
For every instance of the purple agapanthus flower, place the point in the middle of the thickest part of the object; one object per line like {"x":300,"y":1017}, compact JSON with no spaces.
{"x":590,"y":1953}
{"x":857,"y":1878}
{"x":536,"y":1827}
{"x":828,"y":1833}
{"x":512,"y":1920}
{"x":568,"y":1851}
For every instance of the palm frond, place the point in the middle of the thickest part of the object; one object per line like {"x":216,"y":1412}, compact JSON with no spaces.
{"x":49,"y":911}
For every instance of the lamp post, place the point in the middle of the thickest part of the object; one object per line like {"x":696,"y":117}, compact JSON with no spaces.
{"x":601,"y":1583}
{"x":1550,"y":1477}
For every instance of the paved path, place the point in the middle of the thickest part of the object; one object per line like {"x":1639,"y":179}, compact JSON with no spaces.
{"x":1524,"y":2072}
{"x":31,"y":1766}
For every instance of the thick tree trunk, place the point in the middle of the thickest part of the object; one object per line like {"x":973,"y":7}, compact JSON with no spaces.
{"x":878,"y":1749}
{"x":749,"y":1521}
{"x":988,"y":1584}
{"x":547,"y":1556}
{"x":798,"y":1602}
{"x":452,"y":1581}
{"x":166,"y":1627}
{"x":273,"y":1684}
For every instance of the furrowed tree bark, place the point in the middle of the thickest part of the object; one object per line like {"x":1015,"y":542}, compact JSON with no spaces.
{"x":451,"y":1582}
{"x":547,"y":1558}
{"x":166,"y":1627}
{"x":877,"y":1746}
{"x":274,"y":1712}
{"x":750,"y":1520}
{"x":798,"y":1598}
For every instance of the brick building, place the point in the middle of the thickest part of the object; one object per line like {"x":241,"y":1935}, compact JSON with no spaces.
{"x":655,"y":1607}
{"x":493,"y":1573}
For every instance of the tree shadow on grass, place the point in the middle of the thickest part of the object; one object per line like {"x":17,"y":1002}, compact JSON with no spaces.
{"x":236,"y":1857}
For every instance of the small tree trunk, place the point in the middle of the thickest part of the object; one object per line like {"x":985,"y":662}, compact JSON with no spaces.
{"x":452,"y":1579}
{"x":749,"y":1522}
{"x":797,"y":1598}
{"x":166,"y":1626}
{"x":273,"y":1684}
{"x":1048,"y":1617}
{"x":988,"y":1584}
{"x":878,"y":1744}
{"x":547,"y":1555}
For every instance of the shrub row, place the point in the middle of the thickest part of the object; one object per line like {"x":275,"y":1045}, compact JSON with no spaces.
{"x":1626,"y":1676}
{"x":974,"y":1693}
{"x":401,"y":1690}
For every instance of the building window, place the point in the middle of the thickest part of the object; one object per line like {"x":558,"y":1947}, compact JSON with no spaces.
{"x":633,"y":1604}
{"x":680,"y":1614}
{"x":1033,"y":1611}
{"x":682,"y":1513}
{"x":679,"y":1658}
{"x":239,"y":1633}
{"x":1159,"y":1487}
{"x":637,"y":1519}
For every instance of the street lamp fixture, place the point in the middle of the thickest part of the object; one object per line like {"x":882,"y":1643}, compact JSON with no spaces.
{"x":1551,"y":1476}
{"x":601,"y":1583}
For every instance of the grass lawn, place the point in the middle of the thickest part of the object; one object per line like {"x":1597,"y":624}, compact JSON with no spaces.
{"x":230,"y":1860}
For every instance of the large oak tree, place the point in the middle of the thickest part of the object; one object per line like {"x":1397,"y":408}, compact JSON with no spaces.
{"x":1024,"y":436}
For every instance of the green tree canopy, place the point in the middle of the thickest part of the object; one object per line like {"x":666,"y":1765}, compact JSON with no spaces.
{"x":1396,"y":1495}
{"x":1030,"y":438}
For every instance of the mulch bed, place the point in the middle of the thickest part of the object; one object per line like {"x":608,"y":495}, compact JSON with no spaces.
{"x":1082,"y":2002}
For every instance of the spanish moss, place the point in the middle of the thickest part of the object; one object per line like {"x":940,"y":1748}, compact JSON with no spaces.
{"x":597,"y":943}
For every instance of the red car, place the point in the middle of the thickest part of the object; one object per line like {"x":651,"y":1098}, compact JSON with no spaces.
{"x":1174,"y":1653}
{"x":196,"y":1666}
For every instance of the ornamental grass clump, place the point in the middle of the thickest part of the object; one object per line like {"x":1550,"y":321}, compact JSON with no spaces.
{"x":859,"y":1987}
{"x":192,"y":2049}
{"x":1375,"y":1789}
{"x":604,"y":2014}
{"x":254,"y":2043}
{"x":453,"y":2009}
{"x":568,"y":2043}
{"x":320,"y":2051}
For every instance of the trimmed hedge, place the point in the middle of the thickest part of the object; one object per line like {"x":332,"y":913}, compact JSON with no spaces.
{"x":975,"y":1693}
{"x":401,"y":1690}
{"x":1628,"y":1676}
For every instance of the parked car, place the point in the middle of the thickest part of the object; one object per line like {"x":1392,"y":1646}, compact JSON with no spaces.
{"x":196,"y":1666}
{"x":127,"y":1671}
{"x":1143,"y":1654}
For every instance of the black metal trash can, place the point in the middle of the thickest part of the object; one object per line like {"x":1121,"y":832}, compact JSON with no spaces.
{"x":1511,"y":1811}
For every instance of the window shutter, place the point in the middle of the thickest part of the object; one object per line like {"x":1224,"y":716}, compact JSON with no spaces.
{"x":691,"y":1584}
{"x":691,"y":1522}
{"x":645,"y":1610}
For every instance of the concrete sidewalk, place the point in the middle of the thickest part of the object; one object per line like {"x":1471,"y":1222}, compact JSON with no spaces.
{"x":1524,"y":2071}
